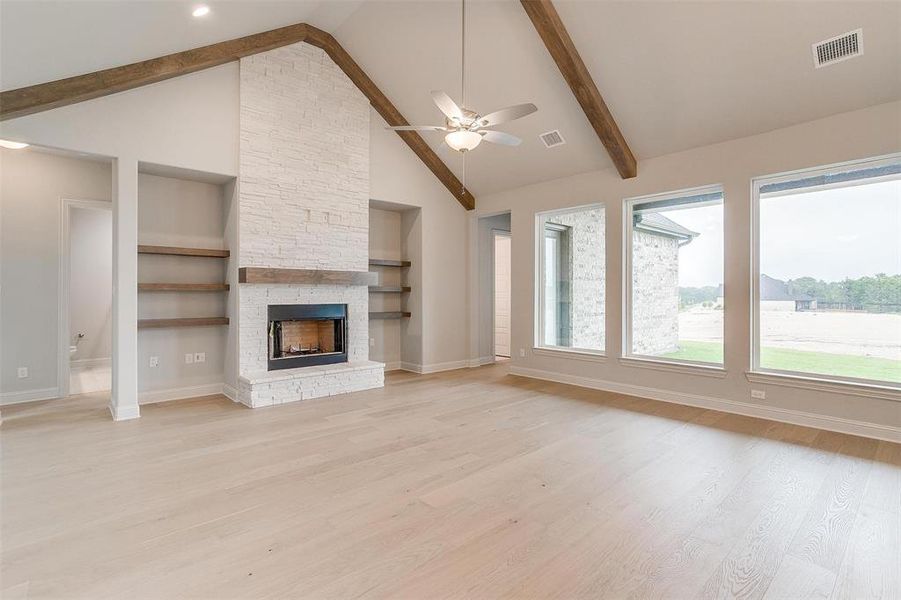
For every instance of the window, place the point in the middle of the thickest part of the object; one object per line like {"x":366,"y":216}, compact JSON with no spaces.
{"x":674,"y":278}
{"x":827,"y":277}
{"x":572,"y":274}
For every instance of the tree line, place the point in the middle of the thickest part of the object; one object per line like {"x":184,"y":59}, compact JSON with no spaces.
{"x":879,"y":290}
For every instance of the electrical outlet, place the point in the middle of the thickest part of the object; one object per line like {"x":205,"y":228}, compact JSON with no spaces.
{"x":522,"y":352}
{"x":759,"y":394}
{"x":22,"y":372}
{"x":154,"y":361}
{"x":200,"y":357}
{"x":189,"y":359}
{"x":372,"y":342}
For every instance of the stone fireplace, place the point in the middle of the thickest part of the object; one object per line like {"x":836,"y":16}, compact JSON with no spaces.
{"x":303,"y":208}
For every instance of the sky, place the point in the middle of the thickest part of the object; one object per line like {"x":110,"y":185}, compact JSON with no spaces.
{"x":830,"y":235}
{"x":701,"y":261}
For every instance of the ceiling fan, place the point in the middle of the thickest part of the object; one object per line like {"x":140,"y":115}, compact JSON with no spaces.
{"x":465,"y":129}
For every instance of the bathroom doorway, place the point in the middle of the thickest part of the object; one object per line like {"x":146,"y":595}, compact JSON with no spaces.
{"x":86,"y":296}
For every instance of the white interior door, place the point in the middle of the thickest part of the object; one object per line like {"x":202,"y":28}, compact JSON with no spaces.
{"x":502,"y":257}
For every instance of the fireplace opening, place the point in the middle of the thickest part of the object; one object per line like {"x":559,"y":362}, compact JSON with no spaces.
{"x":303,"y":335}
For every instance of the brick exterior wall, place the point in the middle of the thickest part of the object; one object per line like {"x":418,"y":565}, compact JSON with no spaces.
{"x":588,"y":275}
{"x":655,"y":293}
{"x":303,"y":203}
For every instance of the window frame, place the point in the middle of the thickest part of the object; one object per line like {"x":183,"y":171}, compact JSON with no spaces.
{"x":538,"y":345}
{"x":756,"y":372}
{"x":643,"y":360}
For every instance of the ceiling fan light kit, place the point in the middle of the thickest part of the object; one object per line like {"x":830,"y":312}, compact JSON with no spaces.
{"x":465,"y":129}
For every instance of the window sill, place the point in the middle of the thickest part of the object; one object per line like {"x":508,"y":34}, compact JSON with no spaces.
{"x":575,"y":354}
{"x":672,"y":367}
{"x":825,"y":385}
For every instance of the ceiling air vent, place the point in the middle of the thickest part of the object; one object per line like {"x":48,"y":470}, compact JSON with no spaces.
{"x":841,"y":47}
{"x":552,"y":138}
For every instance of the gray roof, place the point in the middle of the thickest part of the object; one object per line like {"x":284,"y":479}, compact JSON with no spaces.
{"x":776,"y":289}
{"x":654,"y":222}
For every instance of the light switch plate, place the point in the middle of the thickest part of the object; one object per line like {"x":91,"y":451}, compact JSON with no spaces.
{"x":22,"y":372}
{"x":200,"y":357}
{"x":154,"y":361}
{"x":189,"y":359}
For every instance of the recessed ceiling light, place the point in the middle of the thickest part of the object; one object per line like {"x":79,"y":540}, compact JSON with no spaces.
{"x":201,"y":11}
{"x":13,"y":145}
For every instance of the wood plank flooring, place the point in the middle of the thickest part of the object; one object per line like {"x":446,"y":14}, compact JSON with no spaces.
{"x":466,"y":484}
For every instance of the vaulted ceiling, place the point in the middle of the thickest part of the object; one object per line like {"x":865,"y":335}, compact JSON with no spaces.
{"x":675,"y":75}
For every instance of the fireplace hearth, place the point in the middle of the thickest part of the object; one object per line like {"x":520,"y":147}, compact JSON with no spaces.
{"x":304,"y":335}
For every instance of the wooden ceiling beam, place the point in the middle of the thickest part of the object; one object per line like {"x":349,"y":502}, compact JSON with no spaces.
{"x":63,"y":92}
{"x":556,"y":38}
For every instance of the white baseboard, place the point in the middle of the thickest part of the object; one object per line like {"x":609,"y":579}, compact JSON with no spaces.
{"x":230,"y":392}
{"x":181,"y":393}
{"x":28,"y":396}
{"x":435,"y":367}
{"x":783,"y":415}
{"x":393,"y":366}
{"x":126,"y":413}
{"x":482,"y":360}
{"x":90,"y":363}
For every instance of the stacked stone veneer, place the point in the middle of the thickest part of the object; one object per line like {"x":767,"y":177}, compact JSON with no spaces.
{"x":587,"y":274}
{"x":655,"y":293}
{"x":304,"y":203}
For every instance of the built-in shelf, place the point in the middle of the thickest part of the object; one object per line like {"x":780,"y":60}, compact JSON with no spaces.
{"x":382,"y":262}
{"x":183,"y":287}
{"x":195,"y":322}
{"x":178,"y":251}
{"x":389,"y":315}
{"x":389,"y":289}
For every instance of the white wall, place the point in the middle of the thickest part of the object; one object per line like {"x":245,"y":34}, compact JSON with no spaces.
{"x":865,"y":133}
{"x":189,"y":122}
{"x":91,"y":282}
{"x":439,"y":232}
{"x":32,"y":185}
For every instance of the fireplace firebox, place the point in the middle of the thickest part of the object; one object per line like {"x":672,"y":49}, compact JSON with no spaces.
{"x":304,"y":335}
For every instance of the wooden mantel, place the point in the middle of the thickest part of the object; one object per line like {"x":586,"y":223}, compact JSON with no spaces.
{"x":305,"y":276}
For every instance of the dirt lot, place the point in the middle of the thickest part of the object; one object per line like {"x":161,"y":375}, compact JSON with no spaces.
{"x":858,"y":334}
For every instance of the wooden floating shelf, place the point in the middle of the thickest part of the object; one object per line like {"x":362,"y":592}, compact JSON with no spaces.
{"x":177,"y":251}
{"x":266,"y":275}
{"x":389,"y":289}
{"x":389,"y":315}
{"x":379,"y":262}
{"x":183,"y":287}
{"x":196,"y":322}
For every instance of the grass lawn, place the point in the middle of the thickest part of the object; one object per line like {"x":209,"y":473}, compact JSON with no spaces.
{"x":862,"y":367}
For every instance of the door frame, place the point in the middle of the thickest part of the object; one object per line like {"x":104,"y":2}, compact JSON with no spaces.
{"x":496,"y":233}
{"x":64,"y":253}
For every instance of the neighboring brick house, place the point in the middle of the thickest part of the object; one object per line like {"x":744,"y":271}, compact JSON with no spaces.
{"x":655,"y":282}
{"x":656,"y":242}
{"x":587,"y":276}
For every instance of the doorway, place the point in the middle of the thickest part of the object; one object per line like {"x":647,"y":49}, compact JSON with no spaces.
{"x":86,"y":297}
{"x":502,"y":294}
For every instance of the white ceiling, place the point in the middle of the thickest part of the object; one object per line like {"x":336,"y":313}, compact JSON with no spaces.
{"x":676,"y":75}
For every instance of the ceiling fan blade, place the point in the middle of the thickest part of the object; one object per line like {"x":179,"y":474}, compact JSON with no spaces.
{"x":499,"y":137}
{"x":507,"y":114}
{"x":417,"y":128}
{"x":446,"y":105}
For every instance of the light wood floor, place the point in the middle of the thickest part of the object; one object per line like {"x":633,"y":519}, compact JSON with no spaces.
{"x":464,"y":484}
